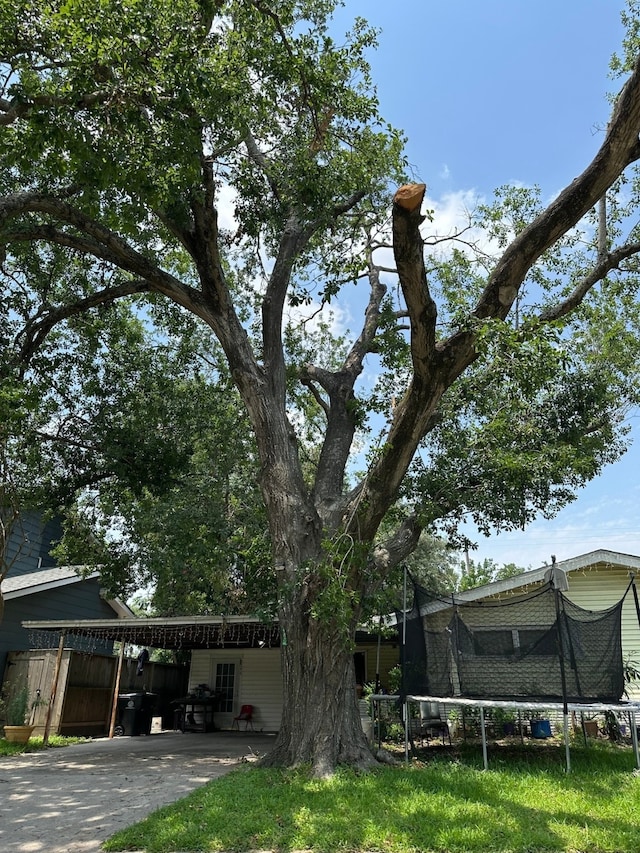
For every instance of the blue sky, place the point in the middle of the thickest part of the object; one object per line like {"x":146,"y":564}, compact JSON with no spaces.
{"x":504,"y":91}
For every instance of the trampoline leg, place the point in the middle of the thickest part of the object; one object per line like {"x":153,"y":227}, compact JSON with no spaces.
{"x":484,"y":739}
{"x":634,"y":737}
{"x":521,"y":727}
{"x":407,"y":723}
{"x":566,"y":742}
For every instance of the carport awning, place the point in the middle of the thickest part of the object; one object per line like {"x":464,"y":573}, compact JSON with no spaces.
{"x":178,"y":632}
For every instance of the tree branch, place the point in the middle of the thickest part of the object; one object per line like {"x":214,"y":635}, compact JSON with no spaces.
{"x":342,"y":412}
{"x":261,"y":160}
{"x":408,"y":250}
{"x":620,"y":148}
{"x":38,"y":328}
{"x":397,"y":547}
{"x":11,"y":111}
{"x":264,"y":9}
{"x":605,"y":265}
{"x":436,"y":367}
{"x":348,"y":204}
{"x":99,"y":242}
{"x":308,"y":376}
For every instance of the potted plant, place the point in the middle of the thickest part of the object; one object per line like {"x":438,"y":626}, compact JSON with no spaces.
{"x":16,"y":710}
{"x":505,"y":721}
{"x":540,"y":726}
{"x":453,"y":720}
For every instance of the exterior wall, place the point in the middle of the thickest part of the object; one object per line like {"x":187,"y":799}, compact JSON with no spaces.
{"x":79,"y":600}
{"x":389,"y":657}
{"x":260,"y":678}
{"x":259,"y":682}
{"x":29,"y":543}
{"x":599,"y":587}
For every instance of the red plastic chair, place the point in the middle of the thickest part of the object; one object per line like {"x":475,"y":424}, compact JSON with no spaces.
{"x":246,"y":714}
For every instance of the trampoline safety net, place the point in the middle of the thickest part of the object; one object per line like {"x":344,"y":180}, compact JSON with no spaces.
{"x":537,"y":645}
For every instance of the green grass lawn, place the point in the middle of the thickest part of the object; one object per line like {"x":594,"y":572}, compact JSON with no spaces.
{"x":35,"y":744}
{"x":525,"y":803}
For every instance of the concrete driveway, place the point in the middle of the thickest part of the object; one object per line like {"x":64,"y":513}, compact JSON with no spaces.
{"x":70,"y":800}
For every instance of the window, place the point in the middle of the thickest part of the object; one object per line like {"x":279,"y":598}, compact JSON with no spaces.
{"x":538,"y":641}
{"x":493,"y":642}
{"x":514,"y":641}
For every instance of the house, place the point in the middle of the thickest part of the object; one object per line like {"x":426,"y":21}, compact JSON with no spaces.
{"x":235,"y":657}
{"x":254,"y":676}
{"x":35,"y":588}
{"x":238,"y":657}
{"x":595,"y":582}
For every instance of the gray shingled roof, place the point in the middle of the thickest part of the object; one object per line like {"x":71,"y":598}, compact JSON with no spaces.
{"x":42,"y":578}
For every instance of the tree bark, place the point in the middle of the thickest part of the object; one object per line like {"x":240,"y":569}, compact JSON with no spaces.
{"x":321,"y":724}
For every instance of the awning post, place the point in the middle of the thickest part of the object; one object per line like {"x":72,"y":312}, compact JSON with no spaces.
{"x":54,"y":688}
{"x":116,"y":690}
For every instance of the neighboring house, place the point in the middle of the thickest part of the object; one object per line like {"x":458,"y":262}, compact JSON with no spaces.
{"x":30,"y":542}
{"x":596,"y":581}
{"x":35,"y":588}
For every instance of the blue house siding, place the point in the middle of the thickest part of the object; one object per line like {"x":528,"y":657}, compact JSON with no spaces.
{"x":30,"y":543}
{"x":79,"y":600}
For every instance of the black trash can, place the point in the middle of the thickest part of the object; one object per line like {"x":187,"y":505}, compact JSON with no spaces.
{"x":135,"y":712}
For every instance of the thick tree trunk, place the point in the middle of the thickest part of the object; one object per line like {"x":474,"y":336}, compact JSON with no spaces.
{"x":321,"y":723}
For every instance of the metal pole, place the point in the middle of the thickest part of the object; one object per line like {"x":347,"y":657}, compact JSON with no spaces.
{"x":483,"y":733}
{"x":406,"y":731}
{"x":567,"y":751}
{"x":521,"y":726}
{"x":632,"y":583}
{"x":404,"y":664}
{"x":404,"y":614}
{"x":54,"y":688}
{"x":116,"y":690}
{"x":378,"y":654}
{"x":634,"y":737}
{"x":375,"y":706}
{"x":563,"y":674}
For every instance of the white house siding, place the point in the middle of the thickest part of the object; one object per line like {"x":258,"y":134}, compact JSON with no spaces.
{"x":260,"y":678}
{"x":259,"y":682}
{"x":601,"y":586}
{"x":597,"y":587}
{"x":389,"y":657}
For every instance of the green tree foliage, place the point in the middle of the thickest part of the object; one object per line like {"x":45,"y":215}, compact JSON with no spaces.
{"x":153,"y":458}
{"x":475,"y":573}
{"x":432,"y":564}
{"x":169,"y":168}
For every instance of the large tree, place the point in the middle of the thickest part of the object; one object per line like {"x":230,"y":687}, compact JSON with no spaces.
{"x":228,"y":159}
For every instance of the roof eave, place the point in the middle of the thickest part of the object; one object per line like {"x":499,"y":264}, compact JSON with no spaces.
{"x":47,"y":585}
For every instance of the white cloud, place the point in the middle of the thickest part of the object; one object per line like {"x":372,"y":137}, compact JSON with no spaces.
{"x":451,"y":225}
{"x":336,"y":317}
{"x":597,"y":519}
{"x":226,"y":206}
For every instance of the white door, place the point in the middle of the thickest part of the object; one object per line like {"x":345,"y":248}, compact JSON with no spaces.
{"x":226,"y":684}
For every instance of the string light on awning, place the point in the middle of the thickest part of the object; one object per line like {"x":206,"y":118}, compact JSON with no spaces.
{"x":91,"y":638}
